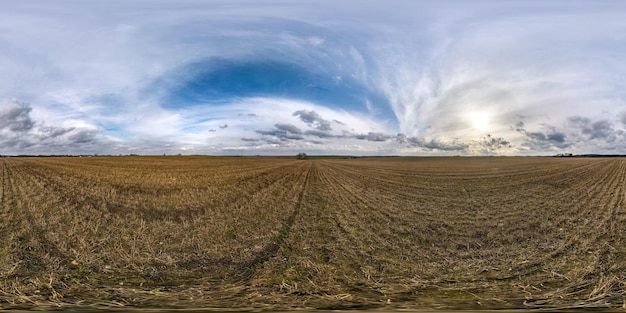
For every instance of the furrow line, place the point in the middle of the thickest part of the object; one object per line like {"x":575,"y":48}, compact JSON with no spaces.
{"x":32,"y":210}
{"x":247,"y":270}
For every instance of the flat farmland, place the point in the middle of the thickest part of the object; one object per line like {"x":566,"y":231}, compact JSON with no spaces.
{"x":281,"y":233}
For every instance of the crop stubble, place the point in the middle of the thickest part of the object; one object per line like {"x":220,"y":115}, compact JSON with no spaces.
{"x":282,"y":233}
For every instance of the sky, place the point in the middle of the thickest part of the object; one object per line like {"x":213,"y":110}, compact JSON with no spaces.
{"x":279,"y":77}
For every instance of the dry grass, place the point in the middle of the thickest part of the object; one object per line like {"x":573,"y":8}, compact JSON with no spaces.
{"x":283,"y":233}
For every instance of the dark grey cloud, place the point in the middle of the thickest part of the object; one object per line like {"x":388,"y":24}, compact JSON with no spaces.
{"x":20,"y":134}
{"x":542,"y":140}
{"x":283,"y":132}
{"x":224,"y":126}
{"x":53,"y":132}
{"x":83,"y":136}
{"x":402,"y":138}
{"x":438,"y":145}
{"x":15,"y":143}
{"x":537,"y":136}
{"x":430,"y":144}
{"x":249,"y":139}
{"x":15,"y":116}
{"x":272,"y":132}
{"x":519,"y":126}
{"x":414,"y":142}
{"x":623,"y":118}
{"x":288,"y":128}
{"x":491,"y":144}
{"x":318,"y":133}
{"x":313,"y":119}
{"x":555,"y":137}
{"x":373,"y":136}
{"x":602,"y":129}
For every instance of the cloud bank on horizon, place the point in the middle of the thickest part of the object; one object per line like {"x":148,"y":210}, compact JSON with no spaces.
{"x":394,"y":77}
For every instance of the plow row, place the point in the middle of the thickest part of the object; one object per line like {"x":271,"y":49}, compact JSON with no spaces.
{"x":283,"y":233}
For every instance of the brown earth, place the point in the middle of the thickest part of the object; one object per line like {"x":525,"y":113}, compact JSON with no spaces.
{"x":280,"y":233}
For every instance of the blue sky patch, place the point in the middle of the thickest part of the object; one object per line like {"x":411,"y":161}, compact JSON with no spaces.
{"x":219,"y":82}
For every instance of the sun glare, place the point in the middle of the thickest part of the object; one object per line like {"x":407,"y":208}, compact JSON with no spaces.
{"x":480,"y":120}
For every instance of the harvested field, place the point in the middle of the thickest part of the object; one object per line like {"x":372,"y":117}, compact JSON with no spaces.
{"x":281,"y":233}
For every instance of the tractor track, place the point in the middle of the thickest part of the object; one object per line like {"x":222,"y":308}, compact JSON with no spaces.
{"x":248,"y":269}
{"x":34,"y":249}
{"x":524,"y":231}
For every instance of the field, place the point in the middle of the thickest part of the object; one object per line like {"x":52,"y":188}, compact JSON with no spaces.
{"x":281,"y":233}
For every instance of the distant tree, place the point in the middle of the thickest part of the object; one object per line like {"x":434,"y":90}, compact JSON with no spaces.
{"x":564,"y":155}
{"x":302,"y":156}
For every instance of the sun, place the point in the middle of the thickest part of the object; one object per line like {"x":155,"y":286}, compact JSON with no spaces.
{"x":479,"y":120}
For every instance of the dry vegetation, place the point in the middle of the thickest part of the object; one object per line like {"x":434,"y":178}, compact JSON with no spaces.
{"x":283,"y":233}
